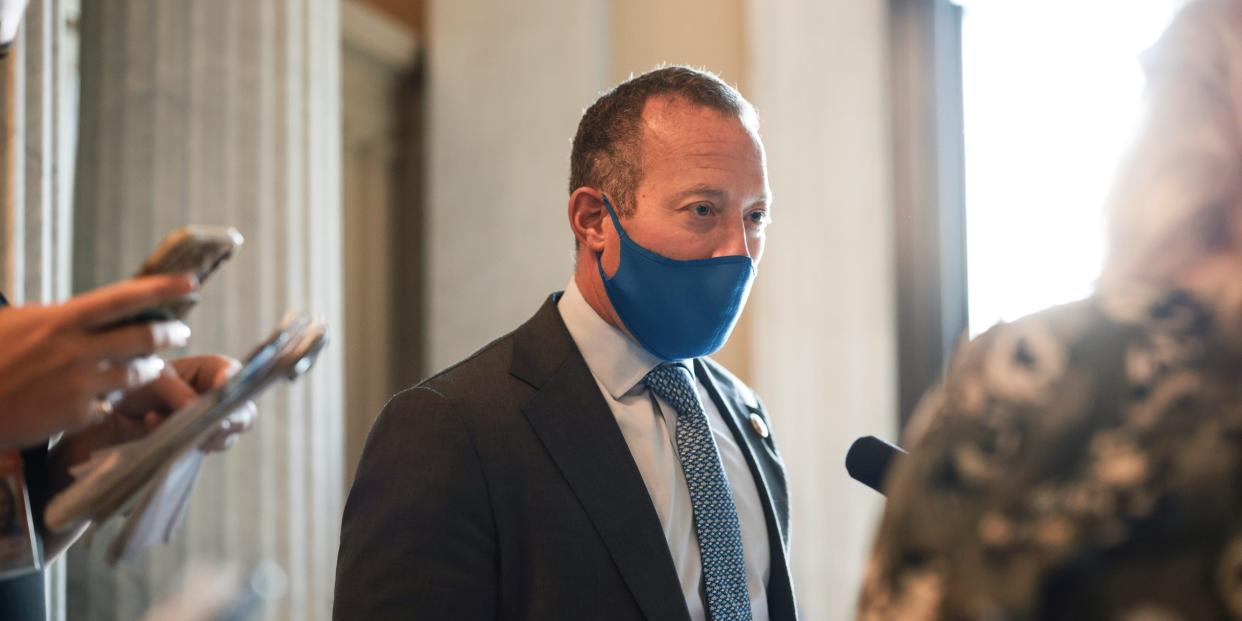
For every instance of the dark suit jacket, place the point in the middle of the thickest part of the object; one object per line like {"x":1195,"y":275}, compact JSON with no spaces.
{"x":502,"y":488}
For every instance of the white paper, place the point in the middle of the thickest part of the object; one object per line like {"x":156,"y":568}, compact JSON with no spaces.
{"x":162,"y":509}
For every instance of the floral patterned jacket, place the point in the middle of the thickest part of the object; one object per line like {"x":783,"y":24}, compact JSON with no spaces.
{"x":1081,"y":463}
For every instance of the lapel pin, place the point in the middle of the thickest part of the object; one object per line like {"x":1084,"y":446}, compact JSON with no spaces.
{"x":761,"y":427}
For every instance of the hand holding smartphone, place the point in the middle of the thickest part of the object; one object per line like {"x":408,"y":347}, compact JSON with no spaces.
{"x":111,"y":331}
{"x":196,"y":250}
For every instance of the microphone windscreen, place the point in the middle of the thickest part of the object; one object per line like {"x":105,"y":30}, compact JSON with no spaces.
{"x":869,"y":460}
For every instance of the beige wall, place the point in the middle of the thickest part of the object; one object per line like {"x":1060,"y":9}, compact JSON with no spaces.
{"x":410,"y":13}
{"x":645,"y":33}
{"x":506,"y":83}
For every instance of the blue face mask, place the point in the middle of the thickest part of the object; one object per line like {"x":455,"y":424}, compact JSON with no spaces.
{"x":676,"y":309}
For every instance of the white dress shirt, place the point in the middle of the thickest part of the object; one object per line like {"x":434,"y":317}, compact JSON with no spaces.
{"x":619,"y":365}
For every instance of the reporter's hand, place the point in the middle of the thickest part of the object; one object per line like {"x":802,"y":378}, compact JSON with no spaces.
{"x":144,"y":409}
{"x":179,"y":384}
{"x":59,"y":359}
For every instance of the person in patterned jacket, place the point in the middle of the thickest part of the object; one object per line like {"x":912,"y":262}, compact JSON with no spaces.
{"x":1085,"y":462}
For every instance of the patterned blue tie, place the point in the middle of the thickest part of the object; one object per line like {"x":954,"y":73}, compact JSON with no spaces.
{"x":715,"y":515}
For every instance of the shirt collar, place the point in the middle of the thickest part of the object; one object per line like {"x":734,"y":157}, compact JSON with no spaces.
{"x":616,"y":360}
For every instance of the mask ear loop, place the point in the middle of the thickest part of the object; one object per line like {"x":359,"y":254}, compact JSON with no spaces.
{"x":616,"y":222}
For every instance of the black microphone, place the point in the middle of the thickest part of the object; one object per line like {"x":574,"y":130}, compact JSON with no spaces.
{"x":869,"y":460}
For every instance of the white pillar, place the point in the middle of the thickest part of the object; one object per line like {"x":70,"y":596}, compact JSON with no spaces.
{"x":225,"y":112}
{"x":824,"y":337}
{"x":38,"y":119}
{"x":37,"y":134}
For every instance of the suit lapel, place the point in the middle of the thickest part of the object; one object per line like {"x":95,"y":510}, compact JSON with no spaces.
{"x":765,"y":469}
{"x":573,"y":422}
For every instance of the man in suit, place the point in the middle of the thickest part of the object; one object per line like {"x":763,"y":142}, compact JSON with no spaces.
{"x":593,"y":464}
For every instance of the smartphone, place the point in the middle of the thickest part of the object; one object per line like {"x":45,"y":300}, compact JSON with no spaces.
{"x":197,"y":250}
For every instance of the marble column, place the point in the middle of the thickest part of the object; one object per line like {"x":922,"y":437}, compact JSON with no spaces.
{"x":225,"y":113}
{"x":38,"y":119}
{"x":37,"y":134}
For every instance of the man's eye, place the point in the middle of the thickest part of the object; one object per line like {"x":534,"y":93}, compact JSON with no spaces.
{"x":702,"y":209}
{"x":758,"y":217}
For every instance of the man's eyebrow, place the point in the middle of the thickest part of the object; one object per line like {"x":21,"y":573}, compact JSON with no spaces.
{"x":710,"y":191}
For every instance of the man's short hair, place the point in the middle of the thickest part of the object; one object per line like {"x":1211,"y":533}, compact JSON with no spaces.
{"x":607,"y":151}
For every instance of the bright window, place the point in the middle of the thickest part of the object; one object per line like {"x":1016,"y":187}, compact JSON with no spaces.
{"x":1052,"y":94}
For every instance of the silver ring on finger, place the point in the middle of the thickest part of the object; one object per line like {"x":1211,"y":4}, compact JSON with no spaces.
{"x":101,"y":409}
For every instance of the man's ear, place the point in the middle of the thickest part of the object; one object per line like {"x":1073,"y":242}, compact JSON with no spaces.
{"x":587,"y":216}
